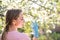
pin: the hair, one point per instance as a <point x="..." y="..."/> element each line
<point x="10" y="15"/>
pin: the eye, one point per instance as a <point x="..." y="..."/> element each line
<point x="22" y="18"/>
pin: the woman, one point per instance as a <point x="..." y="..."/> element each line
<point x="14" y="20"/>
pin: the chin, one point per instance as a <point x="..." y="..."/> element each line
<point x="20" y="26"/>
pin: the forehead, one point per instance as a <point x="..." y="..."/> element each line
<point x="21" y="14"/>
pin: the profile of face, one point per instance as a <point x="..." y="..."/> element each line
<point x="19" y="22"/>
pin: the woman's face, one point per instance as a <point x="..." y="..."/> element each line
<point x="20" y="21"/>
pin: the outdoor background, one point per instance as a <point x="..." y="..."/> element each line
<point x="46" y="13"/>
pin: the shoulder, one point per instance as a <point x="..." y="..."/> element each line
<point x="17" y="36"/>
<point x="24" y="36"/>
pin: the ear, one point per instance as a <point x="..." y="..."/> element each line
<point x="14" y="22"/>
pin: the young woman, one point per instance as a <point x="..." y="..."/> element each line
<point x="14" y="20"/>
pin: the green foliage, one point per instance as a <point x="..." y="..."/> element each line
<point x="55" y="36"/>
<point x="46" y="12"/>
<point x="42" y="37"/>
<point x="27" y="27"/>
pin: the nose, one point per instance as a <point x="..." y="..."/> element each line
<point x="23" y="20"/>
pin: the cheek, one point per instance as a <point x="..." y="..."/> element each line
<point x="20" y="23"/>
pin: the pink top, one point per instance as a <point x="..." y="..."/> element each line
<point x="14" y="35"/>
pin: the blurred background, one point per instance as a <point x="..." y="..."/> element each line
<point x="46" y="13"/>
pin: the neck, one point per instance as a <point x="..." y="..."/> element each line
<point x="12" y="28"/>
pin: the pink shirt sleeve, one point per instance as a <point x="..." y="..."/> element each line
<point x="17" y="36"/>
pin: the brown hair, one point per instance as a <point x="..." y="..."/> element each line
<point x="10" y="15"/>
